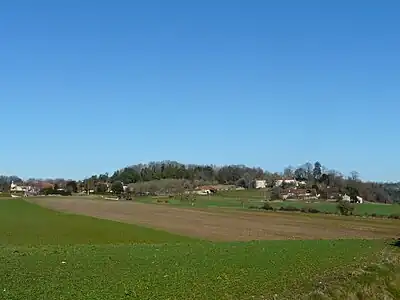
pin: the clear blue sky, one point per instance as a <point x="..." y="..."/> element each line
<point x="92" y="86"/>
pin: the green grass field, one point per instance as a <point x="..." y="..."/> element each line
<point x="254" y="198"/>
<point x="360" y="209"/>
<point x="51" y="255"/>
<point x="23" y="223"/>
<point x="176" y="271"/>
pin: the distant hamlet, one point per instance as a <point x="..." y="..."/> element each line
<point x="309" y="181"/>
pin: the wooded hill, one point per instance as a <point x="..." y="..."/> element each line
<point x="317" y="177"/>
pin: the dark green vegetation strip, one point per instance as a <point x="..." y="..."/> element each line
<point x="254" y="270"/>
<point x="23" y="223"/>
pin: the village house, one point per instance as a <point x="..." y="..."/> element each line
<point x="347" y="198"/>
<point x="289" y="181"/>
<point x="260" y="184"/>
<point x="17" y="188"/>
<point x="304" y="194"/>
<point x="22" y="189"/>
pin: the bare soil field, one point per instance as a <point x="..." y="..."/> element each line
<point x="227" y="225"/>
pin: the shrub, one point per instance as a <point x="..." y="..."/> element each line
<point x="394" y="216"/>
<point x="310" y="210"/>
<point x="267" y="206"/>
<point x="289" y="208"/>
<point x="345" y="208"/>
<point x="65" y="193"/>
<point x="51" y="191"/>
<point x="254" y="207"/>
<point x="162" y="201"/>
<point x="313" y="210"/>
<point x="126" y="196"/>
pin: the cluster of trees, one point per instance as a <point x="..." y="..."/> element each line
<point x="239" y="175"/>
<point x="162" y="186"/>
<point x="231" y="174"/>
<point x="393" y="190"/>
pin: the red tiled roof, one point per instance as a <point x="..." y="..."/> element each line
<point x="44" y="185"/>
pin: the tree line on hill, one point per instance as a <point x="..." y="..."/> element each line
<point x="172" y="176"/>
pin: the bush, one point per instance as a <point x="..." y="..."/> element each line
<point x="267" y="206"/>
<point x="345" y="208"/>
<point x="254" y="207"/>
<point x="166" y="201"/>
<point x="126" y="196"/>
<point x="310" y="210"/>
<point x="51" y="191"/>
<point x="289" y="208"/>
<point x="64" y="193"/>
<point x="394" y="216"/>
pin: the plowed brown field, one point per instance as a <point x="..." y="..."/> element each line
<point x="226" y="224"/>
